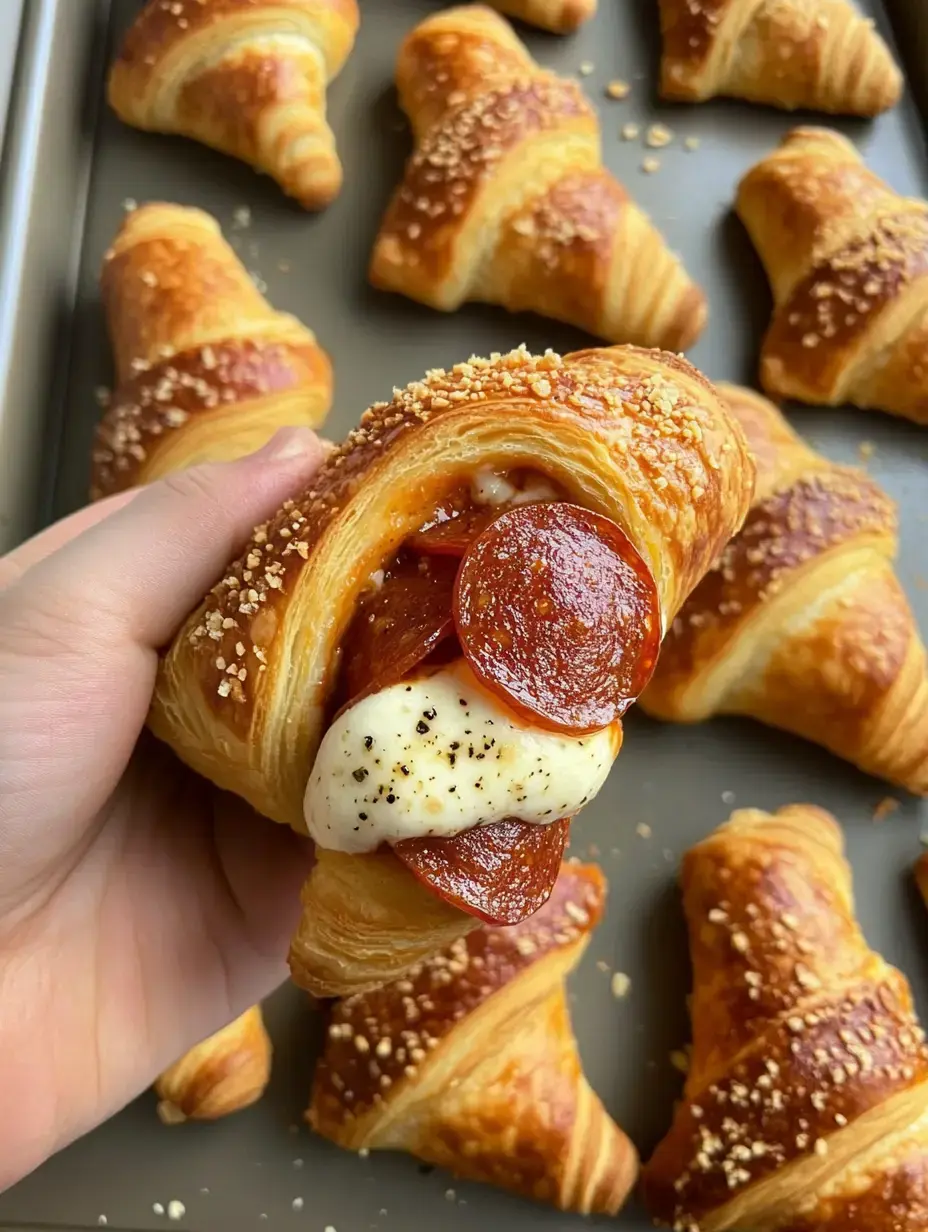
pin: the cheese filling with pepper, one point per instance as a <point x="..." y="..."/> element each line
<point x="438" y="754"/>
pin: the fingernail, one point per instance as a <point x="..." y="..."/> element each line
<point x="288" y="444"/>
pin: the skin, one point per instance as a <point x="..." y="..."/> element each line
<point x="140" y="908"/>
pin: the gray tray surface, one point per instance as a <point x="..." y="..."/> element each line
<point x="671" y="785"/>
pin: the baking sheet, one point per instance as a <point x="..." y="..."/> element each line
<point x="671" y="784"/>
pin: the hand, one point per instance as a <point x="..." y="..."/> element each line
<point x="140" y="908"/>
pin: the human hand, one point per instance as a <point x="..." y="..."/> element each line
<point x="140" y="908"/>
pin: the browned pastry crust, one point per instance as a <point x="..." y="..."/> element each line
<point x="225" y="1073"/>
<point x="638" y="436"/>
<point x="806" y="1103"/>
<point x="559" y="16"/>
<point x="206" y="370"/>
<point x="247" y="77"/>
<point x="818" y="54"/>
<point x="803" y="623"/>
<point x="847" y="259"/>
<point x="470" y="1063"/>
<point x="506" y="201"/>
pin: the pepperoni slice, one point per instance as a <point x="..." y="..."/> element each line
<point x="501" y="873"/>
<point x="557" y="613"/>
<point x="452" y="536"/>
<point x="398" y="625"/>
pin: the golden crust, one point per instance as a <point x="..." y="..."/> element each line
<point x="790" y="53"/>
<point x="505" y="199"/>
<point x="558" y="16"/>
<point x="407" y="1067"/>
<point x="809" y="1070"/>
<point x="802" y="622"/>
<point x="206" y="369"/>
<point x="847" y="259"/>
<point x="225" y="1073"/>
<point x="245" y="76"/>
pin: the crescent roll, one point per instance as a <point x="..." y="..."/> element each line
<point x="505" y="199"/>
<point x="822" y="55"/>
<point x="206" y="369"/>
<point x="225" y="1073"/>
<point x="847" y="260"/>
<point x="558" y="16"/>
<point x="590" y="494"/>
<point x="806" y="1102"/>
<point x="247" y="77"/>
<point x="803" y="623"/>
<point x="470" y="1063"/>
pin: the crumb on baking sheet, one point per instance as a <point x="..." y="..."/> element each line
<point x="297" y="1204"/>
<point x="643" y="830"/>
<point x="130" y="204"/>
<point x="866" y="449"/>
<point x="651" y="165"/>
<point x="284" y="267"/>
<point x="586" y="68"/>
<point x="728" y="797"/>
<point x="621" y="985"/>
<point x="886" y="807"/>
<point x="618" y="89"/>
<point x="680" y="1060"/>
<point x="690" y="144"/>
<point x="176" y="1210"/>
<point x="602" y="966"/>
<point x="630" y="132"/>
<point x="241" y="217"/>
<point x="658" y="136"/>
<point x="157" y="1208"/>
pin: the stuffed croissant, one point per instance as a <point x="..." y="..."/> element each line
<point x="423" y="662"/>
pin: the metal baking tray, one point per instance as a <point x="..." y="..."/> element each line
<point x="70" y="168"/>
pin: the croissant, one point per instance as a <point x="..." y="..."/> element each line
<point x="206" y="370"/>
<point x="803" y="623"/>
<point x="470" y="1063"/>
<point x="225" y="1073"/>
<point x="470" y="595"/>
<point x="847" y="260"/>
<point x="806" y="1102"/>
<point x="818" y="54"/>
<point x="559" y="16"/>
<point x="247" y="77"/>
<point x="505" y="199"/>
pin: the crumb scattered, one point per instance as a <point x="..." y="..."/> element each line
<point x="691" y="144"/>
<point x="614" y="852"/>
<point x="157" y="1208"/>
<point x="658" y="136"/>
<point x="330" y="1228"/>
<point x="298" y="1163"/>
<point x="364" y="1151"/>
<point x="643" y="830"/>
<point x="450" y="1195"/>
<point x="176" y="1210"/>
<point x="621" y="985"/>
<point x="204" y="1189"/>
<point x="241" y="217"/>
<point x="651" y="165"/>
<point x="602" y="966"/>
<point x="886" y="807"/>
<point x="102" y="1221"/>
<point x="728" y="797"/>
<point x="618" y="89"/>
<point x="630" y="132"/>
<point x="284" y="267"/>
<point x="130" y="204"/>
<point x="866" y="450"/>
<point x="586" y="68"/>
<point x="680" y="1061"/>
<point x="297" y="1204"/>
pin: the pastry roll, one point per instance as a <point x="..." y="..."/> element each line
<point x="506" y="201"/>
<point x="206" y="369"/>
<point x="822" y="55"/>
<point x="423" y="660"/>
<point x="847" y="260"/>
<point x="559" y="16"/>
<point x="470" y="1063"/>
<point x="247" y="77"/>
<point x="806" y="1103"/>
<point x="225" y="1073"/>
<point x="803" y="623"/>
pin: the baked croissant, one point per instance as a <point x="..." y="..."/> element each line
<point x="470" y="595"/>
<point x="806" y="1102"/>
<point x="559" y="16"/>
<point x="225" y="1073"/>
<point x="470" y="1063"/>
<point x="206" y="370"/>
<point x="247" y="77"/>
<point x="803" y="623"/>
<point x="505" y="199"/>
<point x="847" y="260"/>
<point x="818" y="54"/>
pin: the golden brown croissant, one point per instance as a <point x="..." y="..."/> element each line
<point x="847" y="260"/>
<point x="470" y="1063"/>
<point x="806" y="1102"/>
<point x="505" y="199"/>
<point x="206" y="370"/>
<point x="803" y="623"/>
<point x="226" y="1072"/>
<point x="633" y="440"/>
<point x="247" y="77"/>
<point x="559" y="16"/>
<point x="818" y="54"/>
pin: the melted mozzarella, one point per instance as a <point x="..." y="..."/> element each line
<point x="439" y="754"/>
<point x="489" y="488"/>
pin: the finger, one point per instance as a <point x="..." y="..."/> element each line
<point x="15" y="563"/>
<point x="138" y="573"/>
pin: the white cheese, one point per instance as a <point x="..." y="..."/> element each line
<point x="489" y="488"/>
<point x="439" y="754"/>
